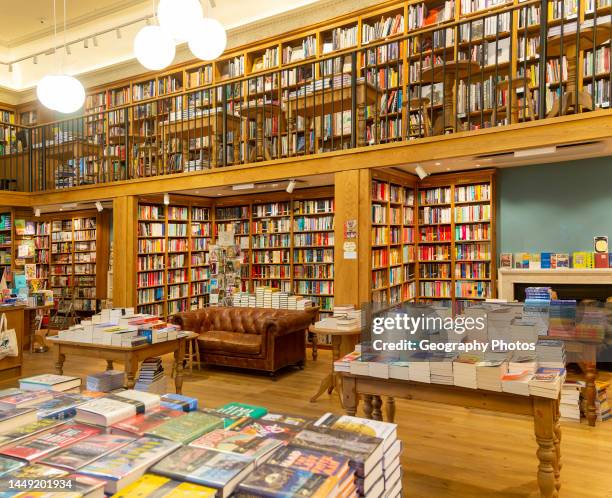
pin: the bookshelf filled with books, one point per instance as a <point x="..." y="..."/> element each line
<point x="237" y="219"/>
<point x="6" y="245"/>
<point x="393" y="262"/>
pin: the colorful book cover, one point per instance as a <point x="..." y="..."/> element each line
<point x="278" y="481"/>
<point x="186" y="428"/>
<point x="563" y="260"/>
<point x="317" y="462"/>
<point x="179" y="402"/>
<point x="86" y="451"/>
<point x="285" y="418"/>
<point x="242" y="443"/>
<point x="28" y="430"/>
<point x="19" y="412"/>
<point x="25" y="399"/>
<point x="52" y="440"/>
<point x="61" y="407"/>
<point x="151" y="485"/>
<point x="141" y="453"/>
<point x="35" y="471"/>
<point x="228" y="420"/>
<point x="545" y="260"/>
<point x="579" y="259"/>
<point x="20" y="227"/>
<point x="243" y="410"/>
<point x="47" y="381"/>
<point x="506" y="260"/>
<point x="9" y="465"/>
<point x="205" y="467"/>
<point x="263" y="428"/>
<point x="373" y="428"/>
<point x="141" y="423"/>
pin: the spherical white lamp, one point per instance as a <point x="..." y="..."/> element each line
<point x="154" y="48"/>
<point x="208" y="40"/>
<point x="179" y="17"/>
<point x="61" y="92"/>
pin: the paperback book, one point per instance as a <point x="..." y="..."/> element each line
<point x="154" y="486"/>
<point x="49" y="382"/>
<point x="139" y="424"/>
<point x="186" y="428"/>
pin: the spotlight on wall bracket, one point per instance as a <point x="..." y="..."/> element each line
<point x="99" y="206"/>
<point x="37" y="212"/>
<point x="421" y="172"/>
<point x="291" y="186"/>
<point x="166" y="199"/>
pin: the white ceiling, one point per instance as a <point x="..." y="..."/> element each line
<point x="29" y="29"/>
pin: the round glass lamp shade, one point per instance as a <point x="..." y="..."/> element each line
<point x="61" y="93"/>
<point x="154" y="48"/>
<point x="178" y="18"/>
<point x="209" y="39"/>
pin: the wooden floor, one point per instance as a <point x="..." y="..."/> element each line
<point x="448" y="451"/>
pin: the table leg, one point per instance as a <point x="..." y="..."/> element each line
<point x="557" y="431"/>
<point x="376" y="408"/>
<point x="131" y="366"/>
<point x="390" y="409"/>
<point x="367" y="405"/>
<point x="543" y="417"/>
<point x="349" y="395"/>
<point x="590" y="372"/>
<point x="314" y="341"/>
<point x="59" y="362"/>
<point x="109" y="365"/>
<point x="179" y="355"/>
<point x="326" y="384"/>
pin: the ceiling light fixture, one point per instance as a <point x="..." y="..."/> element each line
<point x="166" y="199"/>
<point x="243" y="186"/>
<point x="60" y="92"/>
<point x="208" y="40"/>
<point x="154" y="48"/>
<point x="118" y="34"/>
<point x="10" y="68"/>
<point x="537" y="151"/>
<point x="99" y="206"/>
<point x="95" y="41"/>
<point x="421" y="172"/>
<point x="86" y="43"/>
<point x="291" y="186"/>
<point x="35" y="59"/>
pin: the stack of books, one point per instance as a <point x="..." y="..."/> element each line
<point x="547" y="382"/>
<point x="419" y="367"/>
<point x="105" y="381"/>
<point x="535" y="309"/>
<point x="441" y="368"/>
<point x="464" y="370"/>
<point x="280" y="300"/>
<point x="344" y="363"/>
<point x="602" y="402"/>
<point x="268" y="297"/>
<point x="347" y="317"/>
<point x="570" y="400"/>
<point x="520" y="370"/>
<point x="489" y="374"/>
<point x="551" y="353"/>
<point x="591" y="323"/>
<point x="562" y="318"/>
<point x="151" y="377"/>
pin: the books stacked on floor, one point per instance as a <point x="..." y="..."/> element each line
<point x="521" y="368"/>
<point x="550" y="353"/>
<point x="151" y="377"/>
<point x="137" y="446"/>
<point x="107" y="381"/>
<point x="547" y="382"/>
<point x="569" y="406"/>
<point x="602" y="401"/>
<point x="562" y="318"/>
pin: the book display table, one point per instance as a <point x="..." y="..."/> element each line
<point x="343" y="342"/>
<point x="545" y="413"/>
<point x="129" y="356"/>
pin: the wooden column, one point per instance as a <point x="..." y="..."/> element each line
<point x="351" y="194"/>
<point x="125" y="240"/>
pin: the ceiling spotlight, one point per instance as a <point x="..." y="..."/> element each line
<point x="421" y="172"/>
<point x="35" y="59"/>
<point x="68" y="50"/>
<point x="291" y="186"/>
<point x="86" y="43"/>
<point x="166" y="199"/>
<point x="95" y="41"/>
<point x="99" y="206"/>
<point x="10" y="68"/>
<point x="118" y="33"/>
<point x="37" y="212"/>
<point x="438" y="164"/>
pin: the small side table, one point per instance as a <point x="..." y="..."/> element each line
<point x="343" y="343"/>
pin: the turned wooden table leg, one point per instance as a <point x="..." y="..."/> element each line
<point x="376" y="408"/>
<point x="390" y="409"/>
<point x="349" y="395"/>
<point x="367" y="405"/>
<point x="179" y="355"/>
<point x="557" y="432"/>
<point x="131" y="366"/>
<point x="590" y="371"/>
<point x="109" y="365"/>
<point x="314" y="340"/>
<point x="544" y="425"/>
<point x="59" y="362"/>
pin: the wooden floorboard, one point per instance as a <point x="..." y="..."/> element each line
<point x="448" y="451"/>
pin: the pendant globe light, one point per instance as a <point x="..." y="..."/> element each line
<point x="208" y="40"/>
<point x="154" y="48"/>
<point x="179" y="18"/>
<point x="60" y="92"/>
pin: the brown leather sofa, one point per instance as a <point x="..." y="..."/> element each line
<point x="253" y="338"/>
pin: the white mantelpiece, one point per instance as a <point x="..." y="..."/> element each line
<point x="507" y="277"/>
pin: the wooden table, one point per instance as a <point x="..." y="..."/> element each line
<point x="130" y="357"/>
<point x="584" y="352"/>
<point x="447" y="74"/>
<point x="545" y="413"/>
<point x="343" y="343"/>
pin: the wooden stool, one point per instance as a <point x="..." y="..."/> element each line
<point x="192" y="352"/>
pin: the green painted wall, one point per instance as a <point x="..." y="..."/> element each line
<point x="556" y="207"/>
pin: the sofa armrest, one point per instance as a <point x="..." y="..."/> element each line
<point x="187" y="321"/>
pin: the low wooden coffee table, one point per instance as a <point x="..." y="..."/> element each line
<point x="131" y="357"/>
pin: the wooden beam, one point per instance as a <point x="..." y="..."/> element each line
<point x="15" y="199"/>
<point x="125" y="231"/>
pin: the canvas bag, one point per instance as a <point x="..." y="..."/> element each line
<point x="8" y="339"/>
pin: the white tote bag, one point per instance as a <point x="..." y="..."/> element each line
<point x="8" y="339"/>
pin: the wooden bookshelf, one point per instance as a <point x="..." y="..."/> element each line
<point x="6" y="243"/>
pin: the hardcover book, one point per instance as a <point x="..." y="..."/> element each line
<point x="228" y="420"/>
<point x="241" y="443"/>
<point x="29" y="430"/>
<point x="179" y="402"/>
<point x="243" y="410"/>
<point x="86" y="451"/>
<point x="35" y="471"/>
<point x="11" y="419"/>
<point x="329" y="464"/>
<point x="284" y="418"/>
<point x="61" y="407"/>
<point x="53" y="440"/>
<point x="25" y="399"/>
<point x="127" y="464"/>
<point x="9" y="465"/>
<point x="277" y="481"/>
<point x="104" y="411"/>
<point x="84" y="486"/>
<point x="186" y="428"/>
<point x="374" y="428"/>
<point x="153" y="486"/>
<point x="149" y="400"/>
<point x="261" y="428"/>
<point x="49" y="382"/>
<point x="222" y="471"/>
<point x="141" y="423"/>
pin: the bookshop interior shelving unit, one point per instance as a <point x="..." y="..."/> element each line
<point x="286" y="240"/>
<point x="6" y="243"/>
<point x="432" y="240"/>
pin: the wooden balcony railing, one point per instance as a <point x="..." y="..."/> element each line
<point x="511" y="64"/>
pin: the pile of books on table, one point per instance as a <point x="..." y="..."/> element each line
<point x="132" y="443"/>
<point x="121" y="327"/>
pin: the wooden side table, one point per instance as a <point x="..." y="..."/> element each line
<point x="343" y="343"/>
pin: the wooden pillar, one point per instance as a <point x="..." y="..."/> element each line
<point x="351" y="282"/>
<point x="125" y="247"/>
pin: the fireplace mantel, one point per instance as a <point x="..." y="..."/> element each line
<point x="507" y="277"/>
